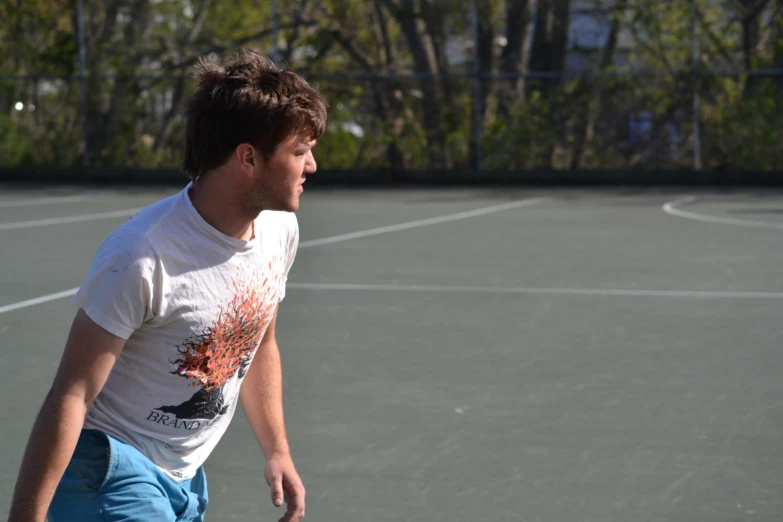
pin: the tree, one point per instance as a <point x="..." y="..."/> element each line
<point x="589" y="113"/>
<point x="399" y="75"/>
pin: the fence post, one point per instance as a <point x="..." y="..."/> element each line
<point x="696" y="98"/>
<point x="477" y="116"/>
<point x="83" y="80"/>
<point x="275" y="47"/>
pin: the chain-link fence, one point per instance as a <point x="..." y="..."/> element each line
<point x="399" y="123"/>
<point x="624" y="84"/>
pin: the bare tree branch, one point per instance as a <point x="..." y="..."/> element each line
<point x="714" y="38"/>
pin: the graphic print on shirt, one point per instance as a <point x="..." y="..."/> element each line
<point x="226" y="348"/>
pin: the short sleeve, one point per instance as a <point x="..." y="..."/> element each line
<point x="291" y="248"/>
<point x="118" y="291"/>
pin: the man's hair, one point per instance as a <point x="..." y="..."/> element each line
<point x="247" y="99"/>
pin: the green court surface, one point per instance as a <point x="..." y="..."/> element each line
<point x="467" y="354"/>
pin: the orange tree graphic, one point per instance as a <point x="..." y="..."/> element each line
<point x="226" y="347"/>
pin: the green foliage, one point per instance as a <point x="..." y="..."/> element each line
<point x="746" y="130"/>
<point x="138" y="50"/>
<point x="520" y="138"/>
<point x="16" y="142"/>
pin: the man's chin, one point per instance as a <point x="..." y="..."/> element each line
<point x="291" y="205"/>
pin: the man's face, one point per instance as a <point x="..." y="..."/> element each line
<point x="279" y="179"/>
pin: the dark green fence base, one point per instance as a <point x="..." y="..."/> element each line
<point x="387" y="178"/>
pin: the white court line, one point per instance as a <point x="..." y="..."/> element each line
<point x="421" y="223"/>
<point x="601" y="292"/>
<point x="616" y="292"/>
<point x="305" y="244"/>
<point x="42" y="201"/>
<point x="68" y="219"/>
<point x="670" y="208"/>
<point x="38" y="300"/>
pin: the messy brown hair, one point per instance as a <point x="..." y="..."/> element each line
<point x="247" y="99"/>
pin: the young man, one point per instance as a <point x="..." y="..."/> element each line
<point x="176" y="318"/>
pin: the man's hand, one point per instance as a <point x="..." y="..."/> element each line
<point x="262" y="399"/>
<point x="286" y="487"/>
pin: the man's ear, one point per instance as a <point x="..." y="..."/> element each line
<point x="246" y="158"/>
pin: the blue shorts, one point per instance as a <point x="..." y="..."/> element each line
<point x="107" y="480"/>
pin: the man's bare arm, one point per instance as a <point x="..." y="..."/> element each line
<point x="262" y="399"/>
<point x="262" y="396"/>
<point x="89" y="355"/>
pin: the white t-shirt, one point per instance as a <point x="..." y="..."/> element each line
<point x="193" y="304"/>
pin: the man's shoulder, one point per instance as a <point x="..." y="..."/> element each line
<point x="132" y="239"/>
<point x="153" y="216"/>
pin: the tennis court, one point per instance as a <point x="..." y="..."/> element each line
<point x="467" y="354"/>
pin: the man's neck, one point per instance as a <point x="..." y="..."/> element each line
<point x="220" y="205"/>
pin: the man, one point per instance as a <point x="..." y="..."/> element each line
<point x="176" y="318"/>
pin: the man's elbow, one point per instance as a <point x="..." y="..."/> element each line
<point x="67" y="398"/>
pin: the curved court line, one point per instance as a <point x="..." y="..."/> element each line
<point x="54" y="200"/>
<point x="302" y="244"/>
<point x="68" y="219"/>
<point x="616" y="292"/>
<point x="670" y="208"/>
